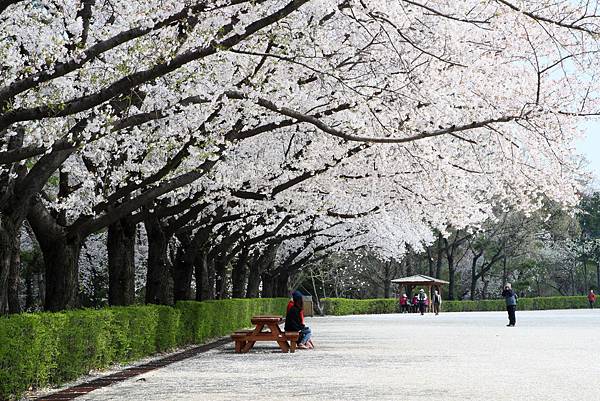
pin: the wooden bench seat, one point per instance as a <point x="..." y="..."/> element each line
<point x="245" y="339"/>
<point x="292" y="337"/>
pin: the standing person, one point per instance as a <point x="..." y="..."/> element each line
<point x="294" y="321"/>
<point x="511" y="304"/>
<point x="403" y="303"/>
<point x="591" y="298"/>
<point x="422" y="301"/>
<point x="437" y="302"/>
<point x="415" y="303"/>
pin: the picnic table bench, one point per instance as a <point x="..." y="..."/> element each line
<point x="266" y="329"/>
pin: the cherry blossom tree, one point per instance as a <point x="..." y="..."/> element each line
<point x="413" y="115"/>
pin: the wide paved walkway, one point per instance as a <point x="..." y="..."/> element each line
<point x="550" y="355"/>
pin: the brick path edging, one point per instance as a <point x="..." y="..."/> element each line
<point x="84" y="388"/>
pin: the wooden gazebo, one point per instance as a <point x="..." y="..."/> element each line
<point x="420" y="280"/>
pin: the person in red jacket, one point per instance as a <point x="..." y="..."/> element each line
<point x="591" y="298"/>
<point x="294" y="321"/>
<point x="403" y="303"/>
<point x="295" y="294"/>
<point x="415" y="304"/>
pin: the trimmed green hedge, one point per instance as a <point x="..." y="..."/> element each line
<point x="38" y="349"/>
<point x="342" y="306"/>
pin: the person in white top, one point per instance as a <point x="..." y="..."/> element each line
<point x="422" y="300"/>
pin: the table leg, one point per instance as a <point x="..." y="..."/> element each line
<point x="284" y="346"/>
<point x="239" y="345"/>
<point x="248" y="346"/>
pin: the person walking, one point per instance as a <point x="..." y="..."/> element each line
<point x="422" y="301"/>
<point x="591" y="298"/>
<point x="403" y="303"/>
<point x="437" y="302"/>
<point x="511" y="304"/>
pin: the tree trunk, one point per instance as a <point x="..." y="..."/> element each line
<point x="484" y="289"/>
<point x="159" y="281"/>
<point x="183" y="268"/>
<point x="204" y="288"/>
<point x="451" y="274"/>
<point x="211" y="278"/>
<point x="220" y="277"/>
<point x="268" y="285"/>
<point x="8" y="246"/>
<point x="429" y="262"/>
<point x="387" y="287"/>
<point x="14" y="278"/>
<point x="61" y="259"/>
<point x="252" y="289"/>
<point x="474" y="276"/>
<point x="440" y="250"/>
<point x="29" y="285"/>
<point x="238" y="275"/>
<point x="121" y="263"/>
<point x="282" y="288"/>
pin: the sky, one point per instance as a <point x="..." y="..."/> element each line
<point x="590" y="148"/>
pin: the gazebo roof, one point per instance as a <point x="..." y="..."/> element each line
<point x="419" y="279"/>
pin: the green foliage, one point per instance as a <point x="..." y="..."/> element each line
<point x="38" y="349"/>
<point x="342" y="306"/>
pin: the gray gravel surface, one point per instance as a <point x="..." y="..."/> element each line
<point x="550" y="355"/>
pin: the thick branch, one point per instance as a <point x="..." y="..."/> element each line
<point x="340" y="134"/>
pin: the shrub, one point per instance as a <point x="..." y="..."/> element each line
<point x="38" y="349"/>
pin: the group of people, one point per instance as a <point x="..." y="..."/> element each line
<point x="294" y="321"/>
<point x="419" y="302"/>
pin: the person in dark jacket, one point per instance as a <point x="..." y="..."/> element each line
<point x="511" y="304"/>
<point x="294" y="321"/>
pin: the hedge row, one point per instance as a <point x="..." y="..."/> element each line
<point x="38" y="349"/>
<point x="342" y="306"/>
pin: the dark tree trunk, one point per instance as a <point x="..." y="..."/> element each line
<point x="268" y="284"/>
<point x="430" y="263"/>
<point x="440" y="251"/>
<point x="183" y="268"/>
<point x="204" y="284"/>
<point x="159" y="280"/>
<point x="212" y="278"/>
<point x="252" y="289"/>
<point x="238" y="275"/>
<point x="121" y="262"/>
<point x="220" y="277"/>
<point x="387" y="288"/>
<point x="484" y="289"/>
<point x="29" y="289"/>
<point x="474" y="275"/>
<point x="451" y="274"/>
<point x="61" y="258"/>
<point x="8" y="246"/>
<point x="14" y="278"/>
<point x="282" y="288"/>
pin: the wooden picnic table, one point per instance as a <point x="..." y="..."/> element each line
<point x="266" y="329"/>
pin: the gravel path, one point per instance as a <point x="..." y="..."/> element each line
<point x="550" y="355"/>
